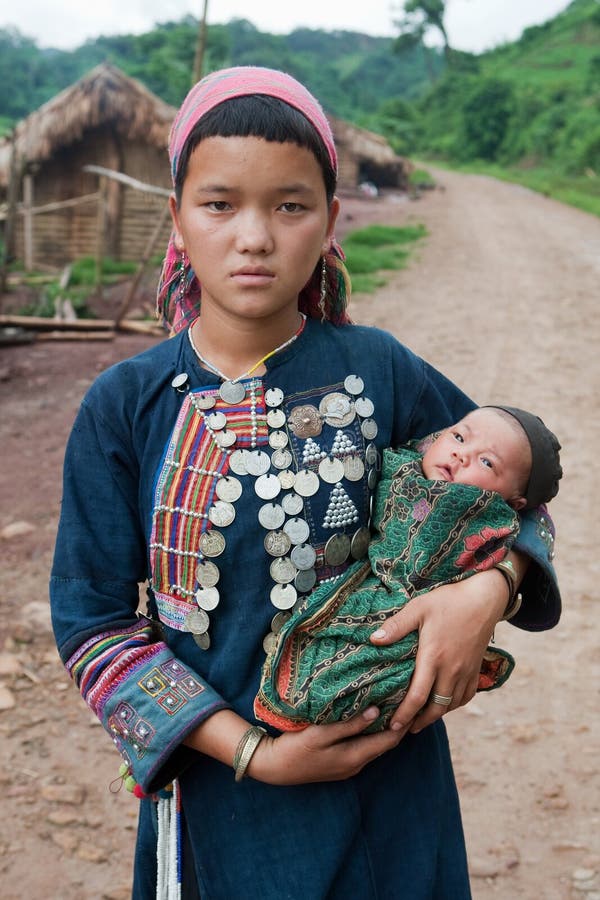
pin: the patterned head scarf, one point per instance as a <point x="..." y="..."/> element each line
<point x="179" y="291"/>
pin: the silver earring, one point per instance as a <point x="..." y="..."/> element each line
<point x="181" y="290"/>
<point x="323" y="291"/>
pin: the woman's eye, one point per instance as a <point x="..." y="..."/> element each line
<point x="218" y="205"/>
<point x="291" y="207"/>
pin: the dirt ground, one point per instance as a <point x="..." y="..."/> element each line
<point x="502" y="296"/>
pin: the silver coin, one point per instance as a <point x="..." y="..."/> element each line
<point x="354" y="468"/>
<point x="297" y="530"/>
<point x="204" y="401"/>
<point x="274" y="397"/>
<point x="354" y="385"/>
<point x="282" y="459"/>
<point x="203" y="640"/>
<point x="359" y="543"/>
<point x="277" y="543"/>
<point x="278" y="440"/>
<point x="232" y="392"/>
<point x="292" y="504"/>
<point x="371" y="454"/>
<point x="267" y="486"/>
<point x="216" y="421"/>
<point x="283" y="596"/>
<point x="283" y="570"/>
<point x="337" y="409"/>
<point x="279" y="620"/>
<point x="180" y="382"/>
<point x="257" y="462"/>
<point x="197" y="621"/>
<point x="275" y="418"/>
<point x="372" y="479"/>
<point x="303" y="556"/>
<point x="207" y="573"/>
<point x="212" y="543"/>
<point x="221" y="513"/>
<point x="228" y="488"/>
<point x="369" y="429"/>
<point x="237" y="462"/>
<point x="364" y="407"/>
<point x="225" y="438"/>
<point x="307" y="483"/>
<point x="337" y="549"/>
<point x="305" y="581"/>
<point x="269" y="642"/>
<point x="331" y="469"/>
<point x="287" y="479"/>
<point x="271" y="516"/>
<point x="207" y="598"/>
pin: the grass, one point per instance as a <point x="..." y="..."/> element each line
<point x="373" y="252"/>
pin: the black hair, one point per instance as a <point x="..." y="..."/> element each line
<point x="262" y="116"/>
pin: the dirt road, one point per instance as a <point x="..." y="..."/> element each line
<point x="503" y="297"/>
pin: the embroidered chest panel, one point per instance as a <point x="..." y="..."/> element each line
<point x="306" y="463"/>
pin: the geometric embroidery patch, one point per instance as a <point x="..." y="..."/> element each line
<point x="171" y="685"/>
<point x="135" y="731"/>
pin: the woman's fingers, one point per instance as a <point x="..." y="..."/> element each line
<point x="398" y="625"/>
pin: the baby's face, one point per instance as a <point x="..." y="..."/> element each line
<point x="484" y="450"/>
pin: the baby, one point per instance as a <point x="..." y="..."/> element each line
<point x="445" y="508"/>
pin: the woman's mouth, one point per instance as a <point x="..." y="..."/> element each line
<point x="253" y="276"/>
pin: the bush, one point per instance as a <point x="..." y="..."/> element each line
<point x="486" y="114"/>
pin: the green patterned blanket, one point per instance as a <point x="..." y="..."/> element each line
<point x="426" y="533"/>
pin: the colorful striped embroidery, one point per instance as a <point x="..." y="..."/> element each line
<point x="185" y="492"/>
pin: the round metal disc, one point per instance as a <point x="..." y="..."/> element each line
<point x="303" y="556"/>
<point x="228" y="488"/>
<point x="277" y="543"/>
<point x="180" y="382"/>
<point x="283" y="596"/>
<point x="279" y="620"/>
<point x="207" y="574"/>
<point x="216" y="421"/>
<point x="287" y="479"/>
<point x="225" y="438"/>
<point x="331" y="469"/>
<point x="305" y="421"/>
<point x="237" y="462"/>
<point x="337" y="409"/>
<point x="307" y="483"/>
<point x="212" y="543"/>
<point x="283" y="570"/>
<point x="369" y="429"/>
<point x="305" y="581"/>
<point x="207" y="598"/>
<point x="293" y="504"/>
<point x="221" y="513"/>
<point x="354" y="385"/>
<point x="271" y="516"/>
<point x="197" y="621"/>
<point x="372" y="479"/>
<point x="371" y="454"/>
<point x="282" y="459"/>
<point x="278" y="440"/>
<point x="359" y="543"/>
<point x="297" y="530"/>
<point x="274" y="397"/>
<point x="267" y="486"/>
<point x="275" y="418"/>
<point x="204" y="401"/>
<point x="232" y="392"/>
<point x="337" y="549"/>
<point x="257" y="462"/>
<point x="269" y="642"/>
<point x="364" y="407"/>
<point x="203" y="640"/>
<point x="354" y="468"/>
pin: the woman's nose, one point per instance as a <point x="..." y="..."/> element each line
<point x="253" y="233"/>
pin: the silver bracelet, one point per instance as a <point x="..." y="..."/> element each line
<point x="245" y="750"/>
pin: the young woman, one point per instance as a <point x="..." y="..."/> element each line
<point x="232" y="467"/>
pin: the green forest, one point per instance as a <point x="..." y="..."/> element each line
<point x="528" y="110"/>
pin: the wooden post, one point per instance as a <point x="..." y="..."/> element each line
<point x="101" y="230"/>
<point x="11" y="216"/>
<point x="125" y="306"/>
<point x="28" y="221"/>
<point x="200" y="46"/>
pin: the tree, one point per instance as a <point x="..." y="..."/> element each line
<point x="419" y="16"/>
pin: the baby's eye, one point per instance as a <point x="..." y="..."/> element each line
<point x="487" y="462"/>
<point x="458" y="437"/>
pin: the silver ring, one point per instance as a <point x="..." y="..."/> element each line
<point x="441" y="700"/>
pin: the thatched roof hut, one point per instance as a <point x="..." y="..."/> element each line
<point x="110" y="120"/>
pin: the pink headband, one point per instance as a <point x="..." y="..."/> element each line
<point x="179" y="292"/>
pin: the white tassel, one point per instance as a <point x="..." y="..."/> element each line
<point x="168" y="882"/>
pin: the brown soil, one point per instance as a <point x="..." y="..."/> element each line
<point x="502" y="296"/>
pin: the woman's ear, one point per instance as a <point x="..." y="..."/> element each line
<point x="177" y="235"/>
<point x="334" y="210"/>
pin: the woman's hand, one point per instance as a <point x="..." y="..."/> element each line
<point x="321" y="752"/>
<point x="455" y="624"/>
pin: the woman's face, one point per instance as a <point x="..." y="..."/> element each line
<point x="253" y="221"/>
